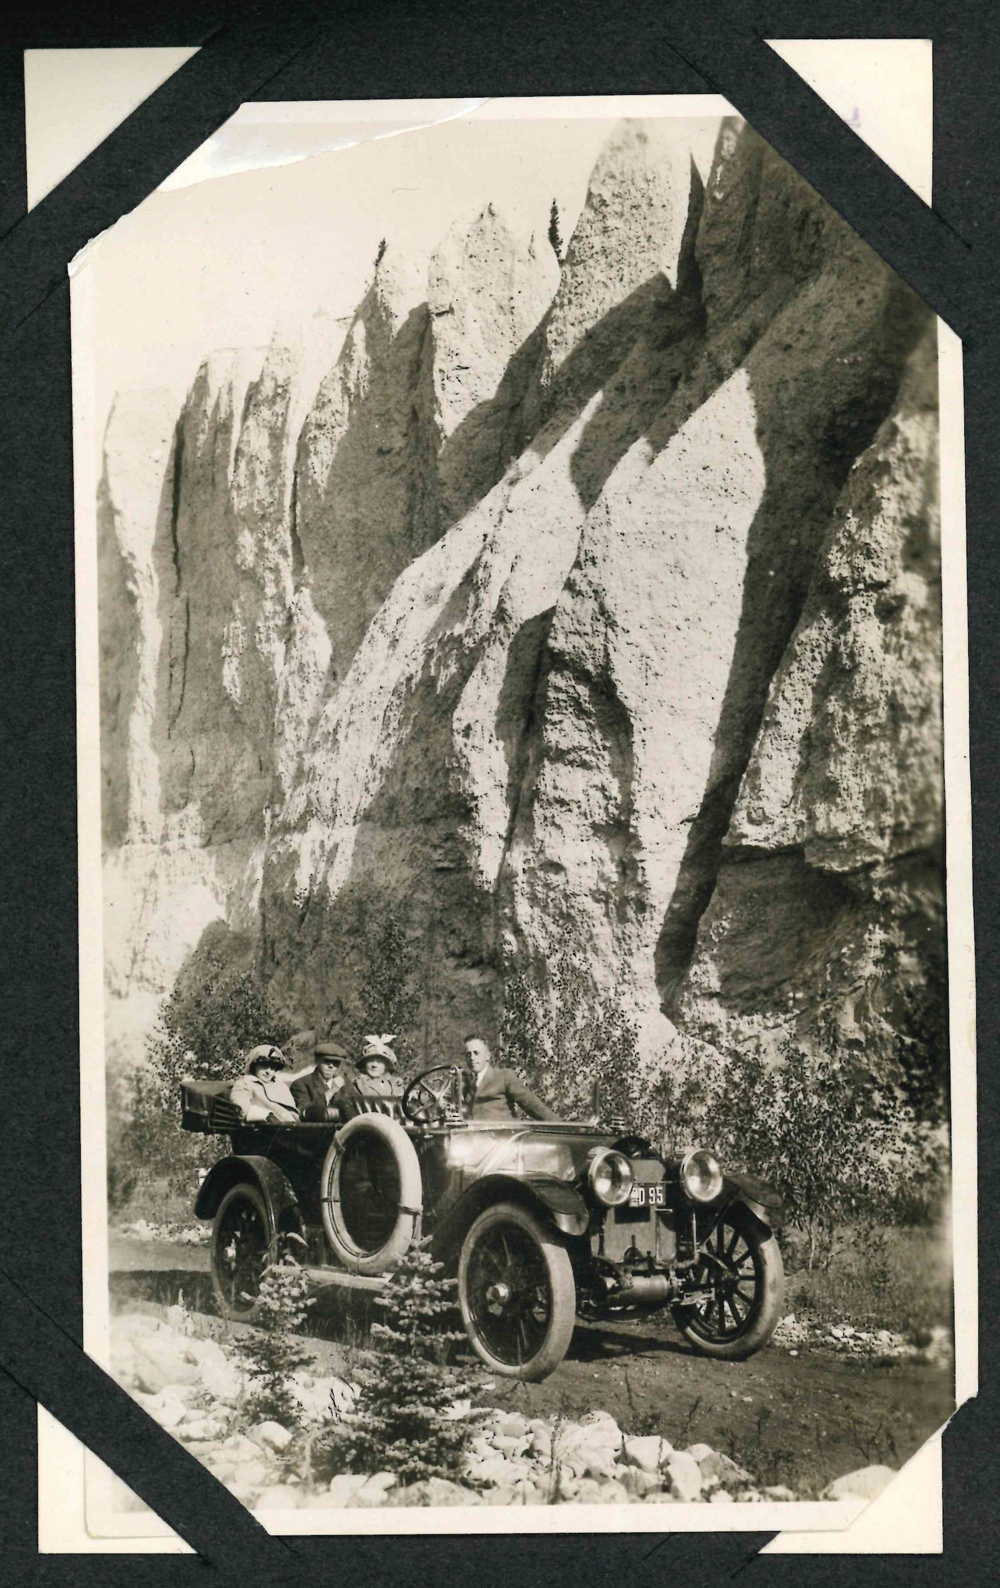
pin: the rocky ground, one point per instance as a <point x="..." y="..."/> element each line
<point x="630" y="1415"/>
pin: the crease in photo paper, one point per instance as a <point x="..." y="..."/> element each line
<point x="563" y="790"/>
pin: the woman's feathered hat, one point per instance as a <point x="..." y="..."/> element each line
<point x="378" y="1048"/>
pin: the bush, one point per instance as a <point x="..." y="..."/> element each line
<point x="837" y="1144"/>
<point x="578" y="1035"/>
<point x="401" y="1421"/>
<point x="361" y="949"/>
<point x="215" y="1014"/>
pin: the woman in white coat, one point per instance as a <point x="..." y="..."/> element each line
<point x="263" y="1093"/>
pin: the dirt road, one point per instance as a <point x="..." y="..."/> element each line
<point x="798" y="1420"/>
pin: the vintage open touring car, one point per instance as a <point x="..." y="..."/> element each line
<point x="540" y="1223"/>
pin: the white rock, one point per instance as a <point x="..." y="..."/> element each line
<point x="494" y="1468"/>
<point x="126" y="1325"/>
<point x="524" y="1491"/>
<point x="685" y="1476"/>
<point x="345" y="1486"/>
<point x="374" y="1490"/>
<point x="252" y="1474"/>
<point x="602" y="1419"/>
<point x="202" y="1428"/>
<point x="123" y="1366"/>
<point x="220" y="1375"/>
<point x="597" y="1491"/>
<point x="512" y="1425"/>
<point x="247" y="1488"/>
<point x="865" y="1484"/>
<point x="715" y="1467"/>
<point x="162" y="1359"/>
<point x="648" y="1451"/>
<point x="778" y="1491"/>
<point x="720" y="1497"/>
<point x="457" y="1410"/>
<point x="640" y="1482"/>
<point x="433" y="1491"/>
<point x="700" y="1452"/>
<point x="219" y="1467"/>
<point x="168" y="1407"/>
<point x="270" y="1435"/>
<point x="280" y="1497"/>
<point x="238" y="1448"/>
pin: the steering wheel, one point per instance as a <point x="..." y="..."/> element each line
<point x="423" y="1096"/>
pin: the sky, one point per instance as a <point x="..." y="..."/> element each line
<point x="229" y="260"/>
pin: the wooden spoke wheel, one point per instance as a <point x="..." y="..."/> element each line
<point x="742" y="1271"/>
<point x="241" y="1238"/>
<point x="517" y="1293"/>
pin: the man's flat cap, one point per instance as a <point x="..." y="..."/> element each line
<point x="330" y="1050"/>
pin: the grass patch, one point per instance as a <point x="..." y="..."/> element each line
<point x="878" y="1276"/>
<point x="158" y="1203"/>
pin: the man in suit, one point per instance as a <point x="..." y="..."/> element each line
<point x="498" y="1091"/>
<point x="316" y="1094"/>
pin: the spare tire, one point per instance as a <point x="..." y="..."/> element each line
<point x="371" y="1193"/>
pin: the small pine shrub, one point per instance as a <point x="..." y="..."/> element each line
<point x="276" y="1350"/>
<point x="401" y="1420"/>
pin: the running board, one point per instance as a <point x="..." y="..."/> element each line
<point x="341" y="1276"/>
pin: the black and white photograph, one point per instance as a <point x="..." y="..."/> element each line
<point x="520" y="1055"/>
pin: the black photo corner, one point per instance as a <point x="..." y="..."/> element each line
<point x="283" y="50"/>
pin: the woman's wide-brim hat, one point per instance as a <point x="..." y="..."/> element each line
<point x="378" y="1048"/>
<point x="265" y="1053"/>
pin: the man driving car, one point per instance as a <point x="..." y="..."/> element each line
<point x="498" y="1091"/>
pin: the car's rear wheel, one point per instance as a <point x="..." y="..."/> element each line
<point x="241" y="1237"/>
<point x="517" y="1293"/>
<point x="744" y="1276"/>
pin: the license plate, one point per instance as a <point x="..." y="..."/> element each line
<point x="646" y="1196"/>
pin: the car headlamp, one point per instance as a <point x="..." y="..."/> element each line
<point x="701" y="1175"/>
<point x="610" y="1177"/>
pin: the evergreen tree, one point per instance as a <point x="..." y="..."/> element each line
<point x="403" y="1420"/>
<point x="555" y="236"/>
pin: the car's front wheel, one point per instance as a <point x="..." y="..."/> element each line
<point x="742" y="1278"/>
<point x="517" y="1293"/>
<point x="241" y="1237"/>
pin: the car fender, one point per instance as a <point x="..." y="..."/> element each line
<point x="762" y="1200"/>
<point x="234" y="1170"/>
<point x="556" y="1203"/>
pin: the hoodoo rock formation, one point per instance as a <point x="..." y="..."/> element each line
<point x="584" y="617"/>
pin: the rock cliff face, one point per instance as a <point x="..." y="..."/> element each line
<point x="583" y="618"/>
